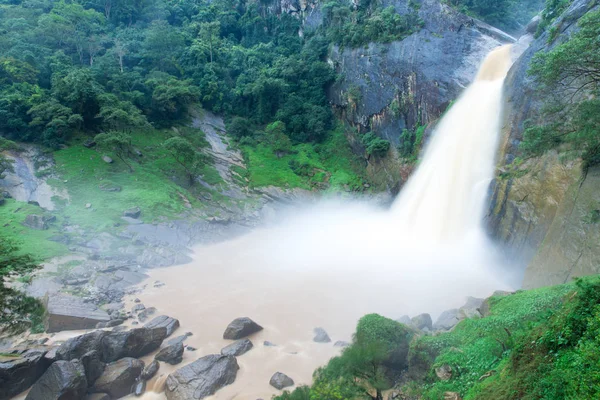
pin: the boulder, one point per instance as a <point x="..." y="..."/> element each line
<point x="240" y="328"/>
<point x="20" y="371"/>
<point x="266" y="343"/>
<point x="77" y="347"/>
<point x="280" y="381"/>
<point x="405" y="320"/>
<point x="321" y="336"/>
<point x="444" y="372"/>
<point x="64" y="312"/>
<point x="62" y="380"/>
<point x="422" y="321"/>
<point x="136" y="343"/>
<point x="447" y="320"/>
<point x="34" y="221"/>
<point x="119" y="377"/>
<point x="201" y="378"/>
<point x="140" y="388"/>
<point x="107" y="159"/>
<point x="178" y="339"/>
<point x="89" y="144"/>
<point x="341" y="343"/>
<point x="146" y="313"/>
<point x="110" y="324"/>
<point x="471" y="308"/>
<point x="163" y="321"/>
<point x="93" y="366"/>
<point x="237" y="348"/>
<point x="150" y="370"/>
<point x="172" y="354"/>
<point x="137" y="308"/>
<point x="134" y="213"/>
<point x="532" y="26"/>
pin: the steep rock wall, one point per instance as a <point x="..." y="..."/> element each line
<point x="543" y="211"/>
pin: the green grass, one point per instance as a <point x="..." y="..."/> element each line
<point x="32" y="241"/>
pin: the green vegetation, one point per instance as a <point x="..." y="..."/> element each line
<point x="536" y="344"/>
<point x="552" y="11"/>
<point x="570" y="74"/>
<point x="18" y="311"/>
<point x="411" y="143"/>
<point x="374" y="145"/>
<point x="509" y="15"/>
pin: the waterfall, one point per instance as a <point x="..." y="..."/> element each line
<point x="444" y="199"/>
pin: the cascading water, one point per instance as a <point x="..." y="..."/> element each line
<point x="445" y="197"/>
<point x="330" y="264"/>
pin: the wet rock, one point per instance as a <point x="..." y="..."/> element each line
<point x="178" y="339"/>
<point x="145" y="314"/>
<point x="422" y="321"/>
<point x="137" y="308"/>
<point x="280" y="381"/>
<point x="266" y="343"/>
<point x="110" y="324"/>
<point x="163" y="321"/>
<point x="321" y="336"/>
<point x="107" y="159"/>
<point x="134" y="343"/>
<point x="64" y="312"/>
<point x="62" y="380"/>
<point x="444" y="372"/>
<point x="240" y="328"/>
<point x="140" y="388"/>
<point x="172" y="354"/>
<point x="134" y="213"/>
<point x="190" y="348"/>
<point x="237" y="348"/>
<point x="447" y="320"/>
<point x="89" y="144"/>
<point x="34" y="221"/>
<point x="119" y="377"/>
<point x="93" y="366"/>
<point x="20" y="371"/>
<point x="150" y="370"/>
<point x="341" y="343"/>
<point x="201" y="378"/>
<point x="76" y="347"/>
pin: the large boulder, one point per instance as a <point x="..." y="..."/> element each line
<point x="134" y="343"/>
<point x="422" y="321"/>
<point x="150" y="370"/>
<point x="134" y="213"/>
<point x="201" y="378"/>
<point x="171" y="354"/>
<point x="93" y="366"/>
<point x="77" y="347"/>
<point x="119" y="378"/>
<point x="163" y="321"/>
<point x="64" y="380"/>
<point x="64" y="312"/>
<point x="321" y="336"/>
<point x="34" y="221"/>
<point x="280" y="381"/>
<point x="471" y="307"/>
<point x="240" y="328"/>
<point x="237" y="348"/>
<point x="20" y="371"/>
<point x="448" y="320"/>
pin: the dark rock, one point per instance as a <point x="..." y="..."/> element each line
<point x="119" y="377"/>
<point x="97" y="396"/>
<point x="137" y="301"/>
<point x="76" y="347"/>
<point x="137" y="308"/>
<point x="134" y="213"/>
<point x="178" y="339"/>
<point x="20" y="371"/>
<point x="280" y="381"/>
<point x="321" y="336"/>
<point x="190" y="348"/>
<point x="172" y="354"/>
<point x="62" y="380"/>
<point x="150" y="370"/>
<point x="533" y="24"/>
<point x="134" y="343"/>
<point x="163" y="321"/>
<point x="140" y="388"/>
<point x="240" y="328"/>
<point x="201" y="378"/>
<point x="266" y="343"/>
<point x="422" y="321"/>
<point x="34" y="203"/>
<point x="110" y="324"/>
<point x="64" y="312"/>
<point x="145" y="314"/>
<point x="93" y="366"/>
<point x="89" y="144"/>
<point x="341" y="343"/>
<point x="34" y="221"/>
<point x="237" y="348"/>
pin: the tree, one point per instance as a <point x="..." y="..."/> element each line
<point x="55" y="121"/>
<point x="119" y="114"/>
<point x="119" y="143"/>
<point x="5" y="163"/>
<point x="171" y="96"/>
<point x="209" y="33"/>
<point x="277" y="138"/>
<point x="18" y="310"/>
<point x="186" y="155"/>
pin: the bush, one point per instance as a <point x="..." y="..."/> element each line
<point x="374" y="145"/>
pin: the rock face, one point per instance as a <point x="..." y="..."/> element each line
<point x="540" y="212"/>
<point x="237" y="348"/>
<point x="93" y="366"/>
<point x="280" y="381"/>
<point x="78" y="346"/>
<point x="20" y="371"/>
<point x="201" y="378"/>
<point x="240" y="328"/>
<point x="119" y="377"/>
<point x="172" y="354"/>
<point x="387" y="88"/>
<point x="63" y="380"/>
<point x="321" y="336"/>
<point x="422" y="321"/>
<point x="162" y="321"/>
<point x="447" y="320"/>
<point x="134" y="343"/>
<point x="65" y="312"/>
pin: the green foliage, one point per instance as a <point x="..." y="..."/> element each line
<point x="552" y="10"/>
<point x="570" y="73"/>
<point x="505" y="14"/>
<point x="118" y="143"/>
<point x="186" y="155"/>
<point x="374" y="145"/>
<point x="18" y="311"/>
<point x="5" y="163"/>
<point x="411" y="143"/>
